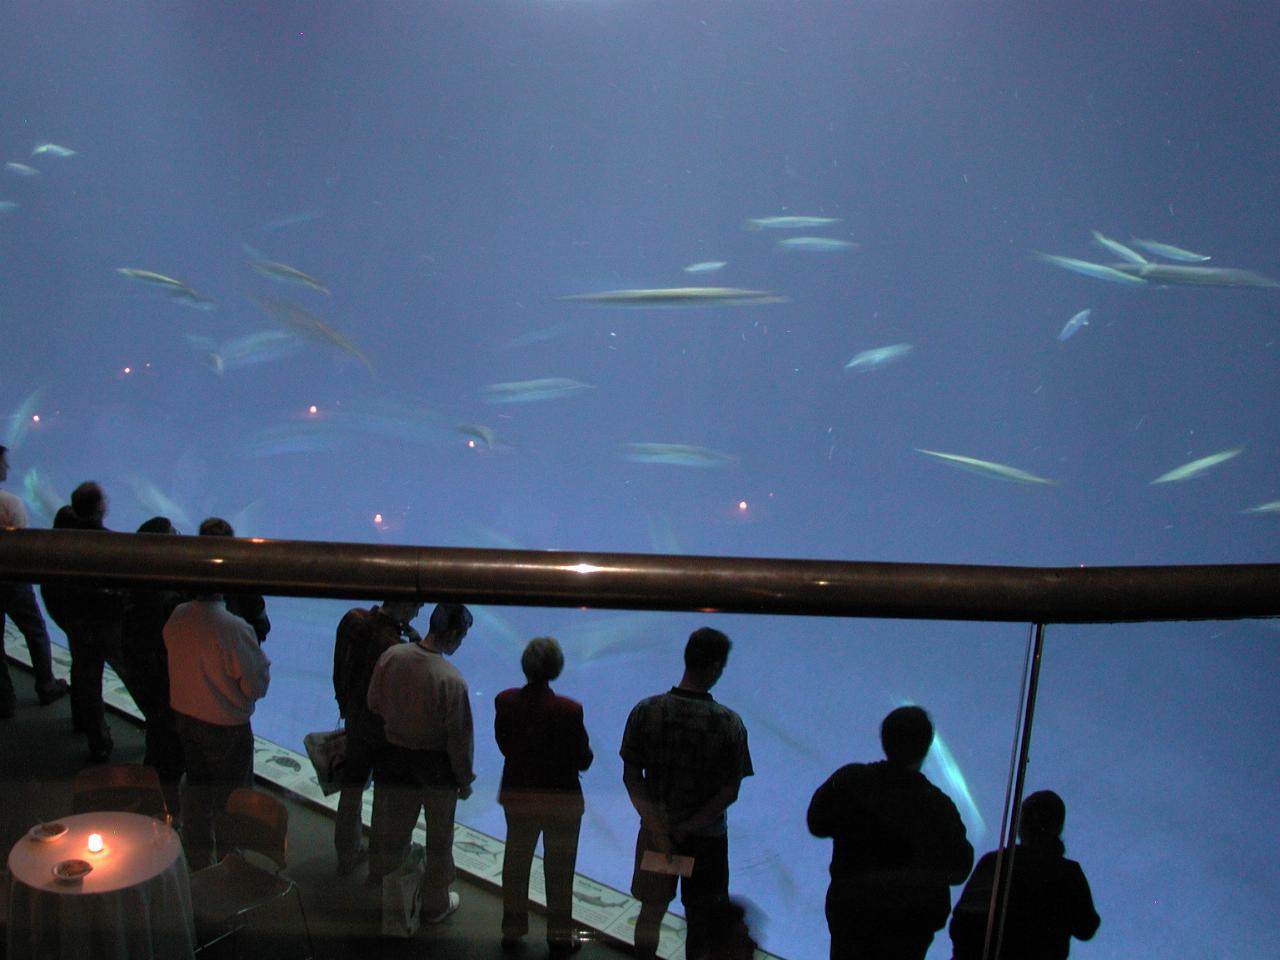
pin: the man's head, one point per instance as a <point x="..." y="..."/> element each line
<point x="449" y="624"/>
<point x="402" y="611"/>
<point x="216" y="527"/>
<point x="542" y="660"/>
<point x="906" y="735"/>
<point x="1043" y="815"/>
<point x="88" y="501"/>
<point x="157" y="525"/>
<point x="705" y="656"/>
<point x="4" y="463"/>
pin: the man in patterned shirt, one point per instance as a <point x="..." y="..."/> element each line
<point x="684" y="757"/>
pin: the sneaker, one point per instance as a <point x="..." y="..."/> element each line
<point x="565" y="948"/>
<point x="55" y="691"/>
<point x="454" y="902"/>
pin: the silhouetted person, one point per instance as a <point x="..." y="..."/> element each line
<point x="899" y="844"/>
<point x="729" y="931"/>
<point x="1049" y="897"/>
<point x="428" y="762"/>
<point x="18" y="603"/>
<point x="147" y="663"/>
<point x="684" y="757"/>
<point x="364" y="635"/>
<point x="91" y="618"/>
<point x="544" y="740"/>
<point x="249" y="607"/>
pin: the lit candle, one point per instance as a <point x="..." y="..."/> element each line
<point x="95" y="843"/>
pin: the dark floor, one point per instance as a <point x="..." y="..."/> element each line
<point x="42" y="753"/>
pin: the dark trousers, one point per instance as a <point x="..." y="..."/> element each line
<point x="18" y="603"/>
<point x="406" y="783"/>
<point x="219" y="759"/>
<point x="559" y="832"/>
<point x="364" y="738"/>
<point x="93" y="643"/>
<point x="856" y="936"/>
<point x="705" y="887"/>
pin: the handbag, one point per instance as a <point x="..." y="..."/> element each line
<point x="328" y="752"/>
<point x="402" y="895"/>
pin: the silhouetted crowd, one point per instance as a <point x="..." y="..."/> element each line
<point x="195" y="667"/>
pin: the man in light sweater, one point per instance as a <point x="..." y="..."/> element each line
<point x="217" y="673"/>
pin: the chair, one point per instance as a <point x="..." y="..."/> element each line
<point x="127" y="787"/>
<point x="226" y="895"/>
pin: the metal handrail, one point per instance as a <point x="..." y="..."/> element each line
<point x="542" y="578"/>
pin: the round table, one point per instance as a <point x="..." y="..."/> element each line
<point x="134" y="905"/>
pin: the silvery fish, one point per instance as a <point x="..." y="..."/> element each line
<point x="306" y="324"/>
<point x="1185" y="274"/>
<point x="1081" y="319"/>
<point x="675" y="454"/>
<point x="788" y="223"/>
<point x="1118" y="248"/>
<point x="1170" y="252"/>
<point x="1196" y="467"/>
<point x="287" y="274"/>
<point x="53" y="149"/>
<point x="1099" y="271"/>
<point x="815" y="244"/>
<point x="1271" y="506"/>
<point x="878" y="357"/>
<point x="985" y="468"/>
<point x="530" y="391"/>
<point x="21" y="169"/>
<point x="706" y="266"/>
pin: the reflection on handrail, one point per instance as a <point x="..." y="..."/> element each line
<point x="917" y="591"/>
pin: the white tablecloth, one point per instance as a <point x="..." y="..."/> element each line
<point x="134" y="905"/>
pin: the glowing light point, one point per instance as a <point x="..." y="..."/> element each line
<point x="742" y="506"/>
<point x="377" y="518"/>
<point x="128" y="370"/>
<point x="35" y="418"/>
<point x="471" y="444"/>
<point x="313" y="409"/>
<point x="95" y="843"/>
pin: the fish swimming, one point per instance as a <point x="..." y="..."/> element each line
<point x="678" y="297"/>
<point x="1197" y="276"/>
<point x="289" y="220"/>
<point x="176" y="289"/>
<point x="985" y="468"/>
<point x="1118" y="248"/>
<point x="530" y="391"/>
<point x="53" y="149"/>
<point x="1081" y="319"/>
<point x="1098" y="271"/>
<point x="478" y="431"/>
<point x="1170" y="252"/>
<point x="41" y="496"/>
<point x="1271" y="506"/>
<point x="287" y="274"/>
<point x="788" y="223"/>
<point x="675" y="454"/>
<point x="21" y="169"/>
<point x="247" y="350"/>
<point x="706" y="266"/>
<point x="873" y="359"/>
<point x="7" y="205"/>
<point x="815" y="244"/>
<point x="157" y="502"/>
<point x="306" y="324"/>
<point x="541" y="335"/>
<point x="1196" y="467"/>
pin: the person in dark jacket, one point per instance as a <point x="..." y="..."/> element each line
<point x="899" y="844"/>
<point x="1049" y="897"/>
<point x="545" y="743"/>
<point x="146" y="661"/>
<point x="363" y="636"/>
<point x="91" y="618"/>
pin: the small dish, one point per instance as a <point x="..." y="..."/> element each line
<point x="44" y="832"/>
<point x="72" y="871"/>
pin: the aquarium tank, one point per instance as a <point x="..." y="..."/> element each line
<point x="886" y="281"/>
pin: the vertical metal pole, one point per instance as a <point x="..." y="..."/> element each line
<point x="1013" y="808"/>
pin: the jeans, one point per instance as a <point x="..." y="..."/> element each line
<point x="364" y="738"/>
<point x="219" y="759"/>
<point x="708" y="884"/>
<point x="405" y="782"/>
<point x="18" y="603"/>
<point x="93" y="643"/>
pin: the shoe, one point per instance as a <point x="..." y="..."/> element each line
<point x="351" y="861"/>
<point x="564" y="948"/>
<point x="455" y="901"/>
<point x="55" y="691"/>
